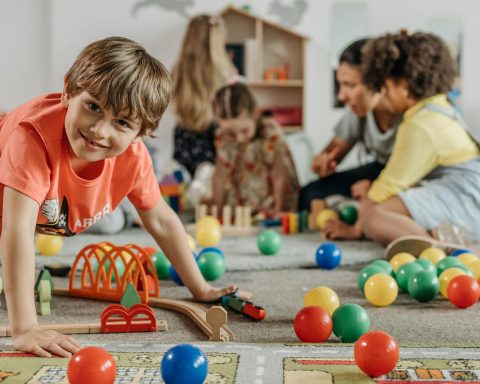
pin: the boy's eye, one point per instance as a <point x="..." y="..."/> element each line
<point x="123" y="123"/>
<point x="94" y="107"/>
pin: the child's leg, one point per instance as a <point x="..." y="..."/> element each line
<point x="388" y="221"/>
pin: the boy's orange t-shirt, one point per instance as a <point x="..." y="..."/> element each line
<point x="34" y="160"/>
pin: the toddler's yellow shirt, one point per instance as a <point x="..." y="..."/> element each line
<point x="425" y="140"/>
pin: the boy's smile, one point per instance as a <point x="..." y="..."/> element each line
<point x="94" y="132"/>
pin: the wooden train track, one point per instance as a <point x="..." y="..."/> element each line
<point x="196" y="312"/>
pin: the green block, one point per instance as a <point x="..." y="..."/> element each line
<point x="44" y="275"/>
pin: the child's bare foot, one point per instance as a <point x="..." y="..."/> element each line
<point x="336" y="229"/>
<point x="212" y="294"/>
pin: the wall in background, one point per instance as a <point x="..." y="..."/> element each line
<point x="40" y="39"/>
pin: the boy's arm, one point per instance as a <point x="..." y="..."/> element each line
<point x="18" y="268"/>
<point x="165" y="227"/>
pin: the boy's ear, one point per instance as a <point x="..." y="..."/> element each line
<point x="65" y="95"/>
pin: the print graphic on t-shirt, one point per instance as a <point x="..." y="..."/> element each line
<point x="57" y="224"/>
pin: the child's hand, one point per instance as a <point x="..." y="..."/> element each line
<point x="212" y="294"/>
<point x="360" y="189"/>
<point x="44" y="343"/>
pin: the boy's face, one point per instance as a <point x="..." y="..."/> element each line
<point x="240" y="129"/>
<point x="353" y="92"/>
<point x="95" y="133"/>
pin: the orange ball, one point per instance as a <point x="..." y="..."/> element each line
<point x="376" y="353"/>
<point x="91" y="365"/>
<point x="313" y="325"/>
<point x="463" y="291"/>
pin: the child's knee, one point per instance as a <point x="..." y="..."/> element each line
<point x="370" y="219"/>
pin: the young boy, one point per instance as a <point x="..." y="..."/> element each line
<point x="69" y="159"/>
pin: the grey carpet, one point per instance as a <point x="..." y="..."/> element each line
<point x="298" y="251"/>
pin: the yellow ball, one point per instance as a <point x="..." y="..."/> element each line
<point x="48" y="245"/>
<point x="475" y="268"/>
<point x="467" y="258"/>
<point x="208" y="221"/>
<point x="208" y="236"/>
<point x="433" y="254"/>
<point x="191" y="243"/>
<point x="401" y="258"/>
<point x="324" y="215"/>
<point x="323" y="297"/>
<point x="381" y="290"/>
<point x="447" y="276"/>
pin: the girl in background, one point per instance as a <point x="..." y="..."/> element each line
<point x="433" y="174"/>
<point x="201" y="69"/>
<point x="254" y="166"/>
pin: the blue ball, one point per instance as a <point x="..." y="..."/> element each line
<point x="458" y="252"/>
<point x="328" y="256"/>
<point x="212" y="249"/>
<point x="184" y="364"/>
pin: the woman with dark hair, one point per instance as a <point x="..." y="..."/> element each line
<point x="367" y="121"/>
<point x="433" y="175"/>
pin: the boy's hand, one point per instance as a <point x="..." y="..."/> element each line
<point x="212" y="294"/>
<point x="44" y="343"/>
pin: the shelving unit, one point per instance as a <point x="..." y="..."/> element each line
<point x="273" y="61"/>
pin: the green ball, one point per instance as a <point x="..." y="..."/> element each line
<point x="269" y="242"/>
<point x="366" y="272"/>
<point x="404" y="273"/>
<point x="212" y="265"/>
<point x="387" y="267"/>
<point x="427" y="265"/>
<point x="423" y="286"/>
<point x="350" y="322"/>
<point x="162" y="265"/>
<point x="348" y="214"/>
<point x="448" y="262"/>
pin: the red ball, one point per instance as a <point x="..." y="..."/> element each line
<point x="91" y="365"/>
<point x="150" y="250"/>
<point x="463" y="291"/>
<point x="376" y="353"/>
<point x="313" y="324"/>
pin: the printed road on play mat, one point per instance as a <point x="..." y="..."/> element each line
<point x="261" y="364"/>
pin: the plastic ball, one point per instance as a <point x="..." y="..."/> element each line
<point x="467" y="258"/>
<point x="427" y="265"/>
<point x="212" y="265"/>
<point x="447" y="276"/>
<point x="162" y="265"/>
<point x="322" y="297"/>
<point x="212" y="249"/>
<point x="385" y="265"/>
<point x="91" y="365"/>
<point x="475" y="268"/>
<point x="381" y="290"/>
<point x="448" y="262"/>
<point x="350" y="321"/>
<point x="184" y="364"/>
<point x="401" y="258"/>
<point x="348" y="214"/>
<point x="175" y="276"/>
<point x="433" y="254"/>
<point x="208" y="236"/>
<point x="404" y="273"/>
<point x="328" y="256"/>
<point x="324" y="216"/>
<point x="313" y="325"/>
<point x="376" y="353"/>
<point x="269" y="242"/>
<point x="366" y="273"/>
<point x="458" y="252"/>
<point x="48" y="245"/>
<point x="149" y="250"/>
<point x="191" y="243"/>
<point x="208" y="221"/>
<point x="463" y="291"/>
<point x="423" y="286"/>
<point x="119" y="264"/>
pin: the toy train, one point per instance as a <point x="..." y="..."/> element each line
<point x="246" y="308"/>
